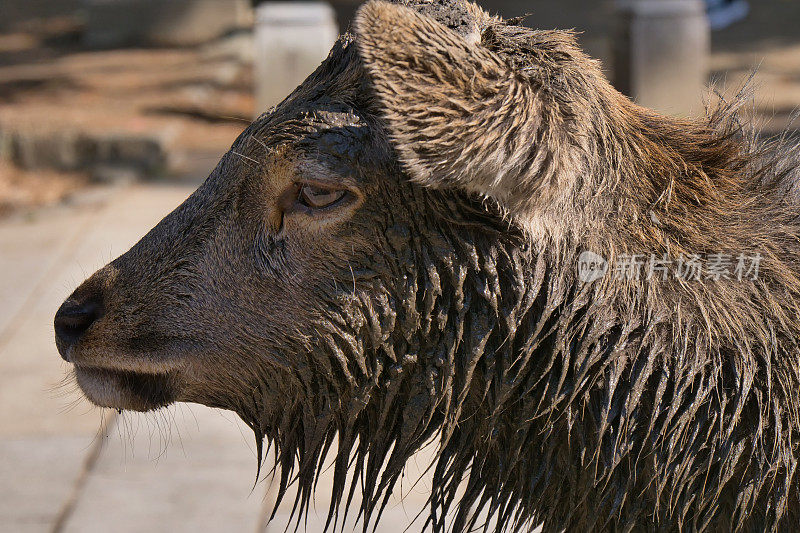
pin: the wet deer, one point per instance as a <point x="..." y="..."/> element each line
<point x="397" y="254"/>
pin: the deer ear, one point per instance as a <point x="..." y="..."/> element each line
<point x="456" y="114"/>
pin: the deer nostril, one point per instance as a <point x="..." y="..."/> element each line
<point x="72" y="320"/>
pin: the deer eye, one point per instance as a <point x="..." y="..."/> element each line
<point x="318" y="197"/>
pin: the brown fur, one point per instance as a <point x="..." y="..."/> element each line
<point x="441" y="299"/>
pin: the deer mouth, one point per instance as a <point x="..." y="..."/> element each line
<point x="126" y="389"/>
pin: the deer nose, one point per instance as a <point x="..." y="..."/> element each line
<point x="72" y="321"/>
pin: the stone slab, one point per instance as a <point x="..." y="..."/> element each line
<point x="36" y="474"/>
<point x="147" y="155"/>
<point x="189" y="470"/>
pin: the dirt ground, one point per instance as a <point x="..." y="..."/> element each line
<point x="26" y="189"/>
<point x="198" y="99"/>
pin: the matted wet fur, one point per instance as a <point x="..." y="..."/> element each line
<point x="442" y="300"/>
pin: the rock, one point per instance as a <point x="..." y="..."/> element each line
<point x="112" y="23"/>
<point x="106" y="157"/>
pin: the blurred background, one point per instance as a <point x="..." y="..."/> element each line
<point x="113" y="111"/>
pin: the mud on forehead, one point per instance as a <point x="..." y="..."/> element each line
<point x="329" y="133"/>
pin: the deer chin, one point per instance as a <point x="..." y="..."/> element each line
<point x="126" y="389"/>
